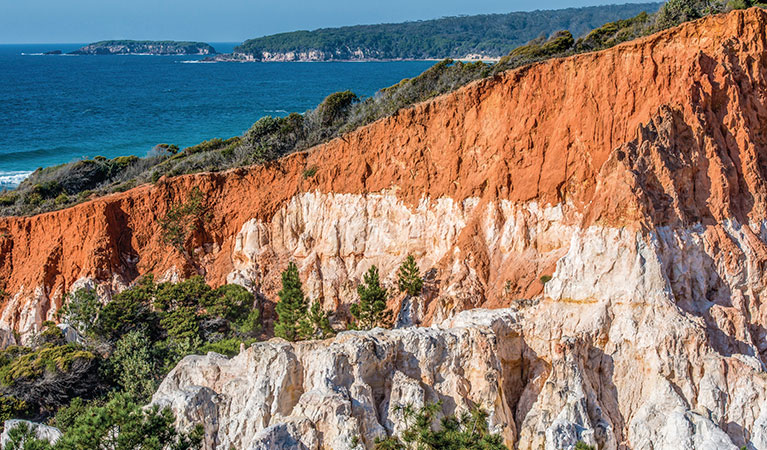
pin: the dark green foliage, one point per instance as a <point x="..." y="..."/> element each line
<point x="207" y="146"/>
<point x="128" y="311"/>
<point x="614" y="33"/>
<point x="409" y="277"/>
<point x="65" y="417"/>
<point x="292" y="307"/>
<point x="228" y="347"/>
<point x="448" y="37"/>
<point x="140" y="335"/>
<point x="316" y="325"/>
<point x="370" y="311"/>
<point x="81" y="310"/>
<point x="60" y="186"/>
<point x="545" y="279"/>
<point x="674" y="12"/>
<point x="183" y="219"/>
<point x="336" y="106"/>
<point x="10" y="408"/>
<point x="271" y="137"/>
<point x="46" y="376"/>
<point x="469" y="431"/>
<point x="310" y="172"/>
<point x="580" y="445"/>
<point x="558" y="43"/>
<point x="121" y="424"/>
<point x="23" y="437"/>
<point x="133" y="366"/>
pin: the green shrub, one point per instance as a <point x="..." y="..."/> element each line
<point x="33" y="198"/>
<point x="336" y="106"/>
<point x="545" y="279"/>
<point x="81" y="310"/>
<point x="310" y="172"/>
<point x="133" y="366"/>
<point x="423" y="430"/>
<point x="139" y="428"/>
<point x="11" y="408"/>
<point x="228" y="347"/>
<point x="8" y="199"/>
<point x="183" y="219"/>
<point x="580" y="445"/>
<point x="128" y="311"/>
<point x="48" y="376"/>
<point x="316" y="325"/>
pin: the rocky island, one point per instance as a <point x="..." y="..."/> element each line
<point x="125" y="47"/>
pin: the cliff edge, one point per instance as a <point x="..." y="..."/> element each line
<point x="633" y="177"/>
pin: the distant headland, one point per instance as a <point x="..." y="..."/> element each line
<point x="482" y="37"/>
<point x="127" y="47"/>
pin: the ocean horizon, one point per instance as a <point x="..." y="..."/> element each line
<point x="63" y="108"/>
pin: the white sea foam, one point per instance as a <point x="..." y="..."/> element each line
<point x="12" y="178"/>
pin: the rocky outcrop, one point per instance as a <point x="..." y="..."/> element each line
<point x="633" y="178"/>
<point x="145" y="48"/>
<point x="541" y="391"/>
<point x="40" y="431"/>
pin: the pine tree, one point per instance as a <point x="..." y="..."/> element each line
<point x="371" y="310"/>
<point x="409" y="277"/>
<point x="316" y="325"/>
<point x="292" y="307"/>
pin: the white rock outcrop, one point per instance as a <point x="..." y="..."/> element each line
<point x="42" y="432"/>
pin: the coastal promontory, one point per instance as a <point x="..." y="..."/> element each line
<point x="126" y="47"/>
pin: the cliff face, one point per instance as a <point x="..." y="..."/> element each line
<point x="634" y="177"/>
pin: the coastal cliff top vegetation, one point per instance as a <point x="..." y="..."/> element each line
<point x="270" y="138"/>
<point x="131" y="46"/>
<point x="489" y="35"/>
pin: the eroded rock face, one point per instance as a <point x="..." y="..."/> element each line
<point x="328" y="394"/>
<point x="541" y="391"/>
<point x="634" y="177"/>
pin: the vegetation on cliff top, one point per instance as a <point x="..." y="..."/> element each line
<point x="273" y="137"/>
<point x="490" y="35"/>
<point x="156" y="47"/>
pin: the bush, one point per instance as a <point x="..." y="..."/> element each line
<point x="11" y="408"/>
<point x="138" y="428"/>
<point x="182" y="220"/>
<point x="81" y="310"/>
<point x="317" y="323"/>
<point x="336" y="106"/>
<point x="128" y="311"/>
<point x="580" y="445"/>
<point x="310" y="172"/>
<point x="47" y="377"/>
<point x="469" y="431"/>
<point x="545" y="279"/>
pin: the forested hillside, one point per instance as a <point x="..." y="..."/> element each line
<point x="491" y="35"/>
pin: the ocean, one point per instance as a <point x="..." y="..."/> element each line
<point x="58" y="109"/>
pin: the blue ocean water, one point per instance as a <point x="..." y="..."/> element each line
<point x="57" y="109"/>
